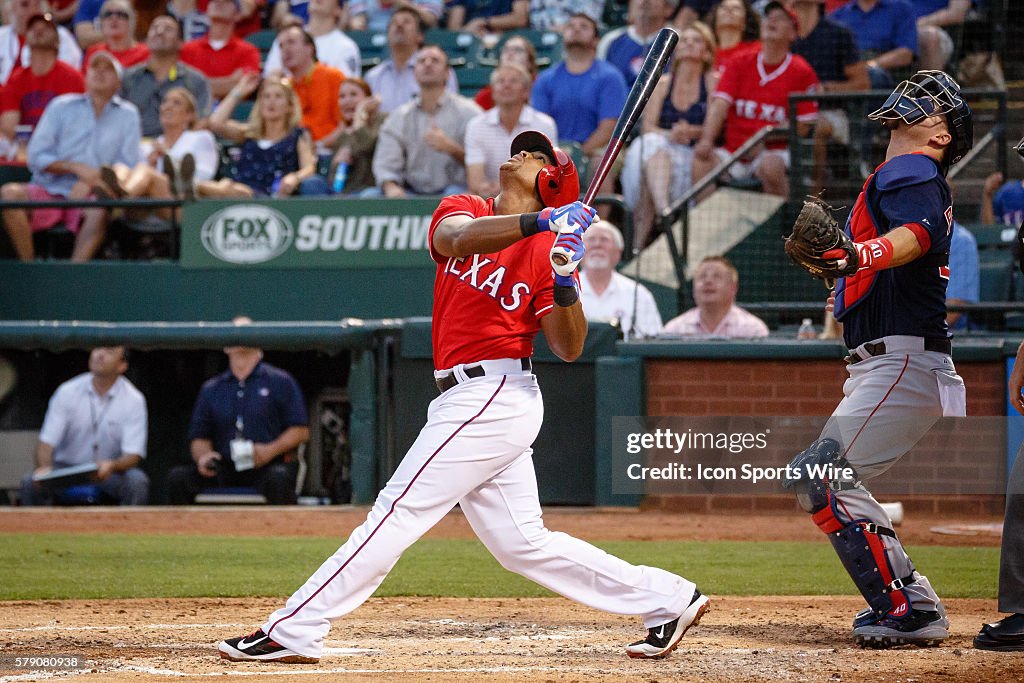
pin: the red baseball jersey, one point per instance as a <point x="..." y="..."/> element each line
<point x="28" y="94"/>
<point x="759" y="93"/>
<point x="488" y="306"/>
<point x="236" y="54"/>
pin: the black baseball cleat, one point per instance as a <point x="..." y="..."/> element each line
<point x="921" y="628"/>
<point x="259" y="647"/>
<point x="662" y="640"/>
<point x="1005" y="635"/>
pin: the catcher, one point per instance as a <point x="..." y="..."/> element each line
<point x="890" y="268"/>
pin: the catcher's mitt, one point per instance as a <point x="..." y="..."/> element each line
<point x="816" y="233"/>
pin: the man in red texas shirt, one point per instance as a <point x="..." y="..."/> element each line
<point x="494" y="290"/>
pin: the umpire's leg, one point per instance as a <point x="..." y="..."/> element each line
<point x="1011" y="561"/>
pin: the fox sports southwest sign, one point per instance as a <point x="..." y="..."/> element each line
<point x="307" y="233"/>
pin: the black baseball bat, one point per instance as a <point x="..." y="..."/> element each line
<point x="653" y="66"/>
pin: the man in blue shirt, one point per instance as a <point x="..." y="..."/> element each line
<point x="625" y="47"/>
<point x="247" y="426"/>
<point x="583" y="94"/>
<point x="886" y="35"/>
<point x="76" y="135"/>
<point x="964" y="285"/>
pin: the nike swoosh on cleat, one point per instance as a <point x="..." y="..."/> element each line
<point x="661" y="632"/>
<point x="242" y="645"/>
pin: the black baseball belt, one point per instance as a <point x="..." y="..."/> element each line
<point x="871" y="349"/>
<point x="472" y="371"/>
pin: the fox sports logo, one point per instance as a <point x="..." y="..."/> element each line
<point x="247" y="233"/>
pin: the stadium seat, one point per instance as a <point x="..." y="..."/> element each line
<point x="373" y="47"/>
<point x="463" y="49"/>
<point x="262" y="40"/>
<point x="473" y="78"/>
<point x="242" y="111"/>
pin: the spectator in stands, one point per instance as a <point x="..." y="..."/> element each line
<point x="333" y="47"/>
<point x="30" y="89"/>
<point x="13" y="48"/>
<point x="1002" y="202"/>
<point x="63" y="12"/>
<point x="964" y="286"/>
<point x="607" y="295"/>
<point x="220" y="55"/>
<point x="583" y="94"/>
<point x="172" y="161"/>
<point x="830" y="49"/>
<point x="489" y="134"/>
<point x="249" y="19"/>
<point x="194" y="23"/>
<point x="77" y="134"/>
<point x="482" y="17"/>
<point x="146" y="85"/>
<point x="87" y="23"/>
<point x="276" y="152"/>
<point x="934" y="44"/>
<point x="375" y="15"/>
<point x="356" y="138"/>
<point x="716" y="314"/>
<point x="658" y="165"/>
<point x="394" y="79"/>
<point x="553" y="15"/>
<point x="688" y="11"/>
<point x="737" y="29"/>
<point x="515" y="50"/>
<point x="420" y="149"/>
<point x="315" y="83"/>
<point x="117" y="26"/>
<point x="753" y="93"/>
<point x="886" y="36"/>
<point x="246" y="430"/>
<point x="625" y="47"/>
<point x="97" y="417"/>
<point x="291" y="12"/>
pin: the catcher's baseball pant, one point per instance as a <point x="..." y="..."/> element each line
<point x="890" y="402"/>
<point x="1011" y="561"/>
<point x="475" y="451"/>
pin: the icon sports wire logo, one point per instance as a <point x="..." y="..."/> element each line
<point x="247" y="233"/>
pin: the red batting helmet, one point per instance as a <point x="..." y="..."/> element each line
<point x="558" y="184"/>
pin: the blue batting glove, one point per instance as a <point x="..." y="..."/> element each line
<point x="566" y="218"/>
<point x="570" y="245"/>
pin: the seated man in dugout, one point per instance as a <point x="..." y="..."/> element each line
<point x="97" y="417"/>
<point x="246" y="429"/>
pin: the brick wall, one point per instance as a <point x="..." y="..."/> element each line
<point x="813" y="387"/>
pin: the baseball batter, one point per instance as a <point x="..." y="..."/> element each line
<point x="901" y="378"/>
<point x="494" y="290"/>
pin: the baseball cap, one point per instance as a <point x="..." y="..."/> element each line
<point x="103" y="54"/>
<point x="533" y="141"/>
<point x="775" y="4"/>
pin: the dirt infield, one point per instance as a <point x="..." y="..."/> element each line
<point x="437" y="639"/>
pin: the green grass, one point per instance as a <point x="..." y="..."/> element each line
<point x="56" y="566"/>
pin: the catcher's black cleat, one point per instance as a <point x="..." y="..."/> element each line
<point x="920" y="628"/>
<point x="662" y="640"/>
<point x="259" y="647"/>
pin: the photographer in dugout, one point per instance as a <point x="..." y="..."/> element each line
<point x="891" y="270"/>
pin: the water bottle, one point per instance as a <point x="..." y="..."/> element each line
<point x="806" y="330"/>
<point x="274" y="186"/>
<point x="340" y="175"/>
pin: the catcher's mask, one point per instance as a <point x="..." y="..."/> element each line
<point x="932" y="93"/>
<point x="557" y="184"/>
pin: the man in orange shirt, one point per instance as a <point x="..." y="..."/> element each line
<point x="316" y="84"/>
